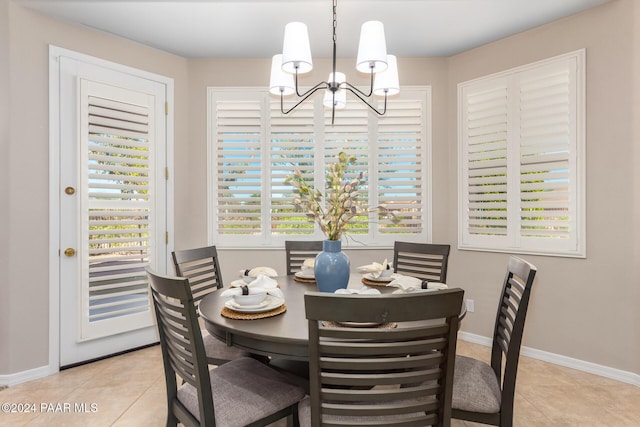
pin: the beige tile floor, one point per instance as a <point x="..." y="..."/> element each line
<point x="128" y="390"/>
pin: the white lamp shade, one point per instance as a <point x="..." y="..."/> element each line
<point x="280" y="82"/>
<point x="296" y="51"/>
<point x="387" y="80"/>
<point x="372" y="50"/>
<point x="340" y="78"/>
<point x="340" y="100"/>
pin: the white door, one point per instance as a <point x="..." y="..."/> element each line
<point x="112" y="208"/>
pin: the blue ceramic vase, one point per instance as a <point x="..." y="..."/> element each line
<point x="332" y="267"/>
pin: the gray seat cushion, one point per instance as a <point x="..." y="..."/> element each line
<point x="216" y="349"/>
<point x="475" y="386"/>
<point x="244" y="390"/>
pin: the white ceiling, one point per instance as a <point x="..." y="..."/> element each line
<point x="254" y="28"/>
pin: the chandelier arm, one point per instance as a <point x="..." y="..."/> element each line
<point x="361" y="98"/>
<point x="353" y="88"/>
<point x="310" y="91"/>
<point x="306" y="95"/>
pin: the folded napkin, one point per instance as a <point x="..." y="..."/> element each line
<point x="375" y="269"/>
<point x="261" y="284"/>
<point x="362" y="291"/>
<point x="256" y="271"/>
<point x="407" y="284"/>
<point x="309" y="263"/>
<point x="436" y="285"/>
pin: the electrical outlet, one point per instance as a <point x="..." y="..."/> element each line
<point x="470" y="306"/>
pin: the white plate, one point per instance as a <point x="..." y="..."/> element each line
<point x="238" y="283"/>
<point x="415" y="291"/>
<point x="359" y="324"/>
<point x="269" y="303"/>
<point x="419" y="291"/>
<point x="370" y="276"/>
<point x="361" y="291"/>
<point x="302" y="275"/>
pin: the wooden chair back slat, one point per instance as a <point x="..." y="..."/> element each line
<point x="397" y="375"/>
<point x="505" y="351"/>
<point x="298" y="251"/>
<point x="201" y="267"/>
<point x="507" y="342"/>
<point x="421" y="260"/>
<point x="181" y="342"/>
<point x="370" y="380"/>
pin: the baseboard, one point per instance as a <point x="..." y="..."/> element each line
<point x="24" y="376"/>
<point x="476" y="339"/>
<point x="568" y="362"/>
<point x="44" y="371"/>
<point x="557" y="359"/>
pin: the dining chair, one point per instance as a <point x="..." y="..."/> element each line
<point x="381" y="359"/>
<point x="242" y="392"/>
<point x="201" y="267"/>
<point x="425" y="261"/>
<point x="483" y="393"/>
<point x="297" y="251"/>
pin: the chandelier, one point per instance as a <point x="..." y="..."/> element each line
<point x="372" y="58"/>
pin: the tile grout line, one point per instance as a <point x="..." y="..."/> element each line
<point x="134" y="402"/>
<point x="541" y="411"/>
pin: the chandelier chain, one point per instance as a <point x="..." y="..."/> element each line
<point x="335" y="20"/>
<point x="332" y="85"/>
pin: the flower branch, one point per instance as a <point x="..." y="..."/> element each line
<point x="341" y="201"/>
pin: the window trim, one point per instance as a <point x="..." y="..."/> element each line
<point x="577" y="153"/>
<point x="275" y="242"/>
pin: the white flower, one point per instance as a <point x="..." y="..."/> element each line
<point x="340" y="201"/>
<point x="339" y="209"/>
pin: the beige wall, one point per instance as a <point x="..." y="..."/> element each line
<point x="635" y="43"/>
<point x="4" y="188"/>
<point x="581" y="308"/>
<point x="584" y="309"/>
<point x="27" y="165"/>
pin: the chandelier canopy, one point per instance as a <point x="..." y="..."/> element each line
<point x="372" y="58"/>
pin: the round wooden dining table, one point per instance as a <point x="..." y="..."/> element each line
<point x="284" y="335"/>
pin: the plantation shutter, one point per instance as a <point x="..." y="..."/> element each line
<point x="401" y="168"/>
<point x="350" y="133"/>
<point x="237" y="190"/>
<point x="485" y="133"/>
<point x="292" y="143"/>
<point x="253" y="147"/>
<point x="547" y="169"/>
<point x="117" y="147"/>
<point x="521" y="145"/>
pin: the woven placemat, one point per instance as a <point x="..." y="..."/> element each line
<point x="303" y="280"/>
<point x="375" y="282"/>
<point x="232" y="314"/>
<point x="389" y="325"/>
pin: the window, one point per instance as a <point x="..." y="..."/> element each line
<point x="521" y="147"/>
<point x="253" y="147"/>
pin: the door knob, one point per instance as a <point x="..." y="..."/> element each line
<point x="69" y="252"/>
